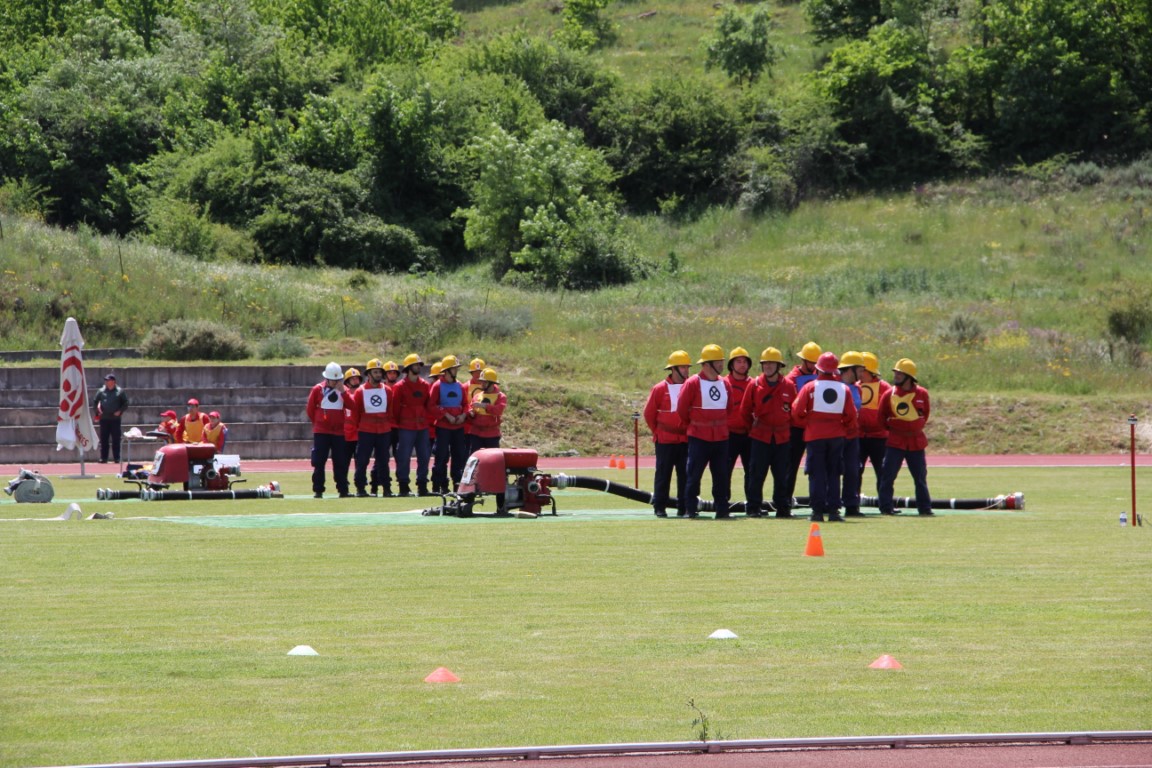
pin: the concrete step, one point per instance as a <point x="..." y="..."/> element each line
<point x="174" y="377"/>
<point x="250" y="430"/>
<point x="141" y="416"/>
<point x="42" y="453"/>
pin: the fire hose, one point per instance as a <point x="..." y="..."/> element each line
<point x="562" y="481"/>
<point x="149" y="494"/>
<point x="30" y="487"/>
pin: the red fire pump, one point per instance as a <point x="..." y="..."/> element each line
<point x="191" y="466"/>
<point x="510" y="475"/>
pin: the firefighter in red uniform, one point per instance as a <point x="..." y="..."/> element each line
<point x="851" y="366"/>
<point x="411" y="396"/>
<point x="448" y="410"/>
<point x="372" y="417"/>
<point x="739" y="364"/>
<point x="804" y="372"/>
<point x="391" y="376"/>
<point x="475" y="368"/>
<point x="703" y="406"/>
<point x="873" y="434"/>
<point x="904" y="410"/>
<point x="352" y="379"/>
<point x="192" y="425"/>
<point x="668" y="434"/>
<point x="767" y="410"/>
<point x="325" y="409"/>
<point x="825" y="409"/>
<point x="486" y="411"/>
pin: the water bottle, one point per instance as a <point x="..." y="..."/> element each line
<point x="1123" y="518"/>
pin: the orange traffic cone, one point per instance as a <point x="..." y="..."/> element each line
<point x="442" y="675"/>
<point x="815" y="546"/>
<point x="885" y="662"/>
<point x="621" y="463"/>
<point x="612" y="461"/>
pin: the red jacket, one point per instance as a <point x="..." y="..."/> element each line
<point x="660" y="413"/>
<point x="709" y="423"/>
<point x="326" y="409"/>
<point x="738" y="387"/>
<point x="905" y="414"/>
<point x="767" y="409"/>
<point x="411" y="403"/>
<point x="448" y="399"/>
<point x="870" y="396"/>
<point x="351" y="433"/>
<point x="373" y="408"/>
<point x="825" y="410"/>
<point x="486" y="412"/>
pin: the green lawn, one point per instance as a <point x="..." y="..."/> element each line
<point x="136" y="639"/>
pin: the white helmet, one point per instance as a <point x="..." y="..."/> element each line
<point x="333" y="372"/>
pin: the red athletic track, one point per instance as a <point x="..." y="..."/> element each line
<point x="570" y="463"/>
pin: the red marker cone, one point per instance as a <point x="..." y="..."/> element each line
<point x="612" y="461"/>
<point x="885" y="662"/>
<point x="815" y="546"/>
<point x="620" y="463"/>
<point x="442" y="675"/>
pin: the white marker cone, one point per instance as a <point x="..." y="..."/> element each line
<point x="722" y="634"/>
<point x="303" y="650"/>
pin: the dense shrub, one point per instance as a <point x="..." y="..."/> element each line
<point x="283" y="346"/>
<point x="194" y="340"/>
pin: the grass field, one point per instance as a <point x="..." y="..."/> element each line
<point x="142" y="639"/>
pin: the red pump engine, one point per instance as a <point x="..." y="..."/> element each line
<point x="510" y="475"/>
<point x="192" y="466"/>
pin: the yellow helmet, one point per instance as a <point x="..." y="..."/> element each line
<point x="871" y="363"/>
<point x="711" y="353"/>
<point x="810" y="352"/>
<point x="436" y="368"/>
<point x="489" y="374"/>
<point x="906" y="367"/>
<point x="678" y="358"/>
<point x="477" y="365"/>
<point x="350" y="373"/>
<point x="374" y="365"/>
<point x="771" y="355"/>
<point x="738" y="352"/>
<point x="391" y="366"/>
<point x="412" y="359"/>
<point x="851" y="360"/>
<point x="451" y="361"/>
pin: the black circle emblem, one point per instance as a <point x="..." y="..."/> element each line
<point x="376" y="401"/>
<point x="714" y="394"/>
<point x="866" y="394"/>
<point x="901" y="409"/>
<point x="333" y="397"/>
<point x="830" y="396"/>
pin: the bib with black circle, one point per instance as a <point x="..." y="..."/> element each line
<point x="331" y="400"/>
<point x="870" y="395"/>
<point x="828" y="397"/>
<point x="903" y="407"/>
<point x="713" y="395"/>
<point x="375" y="400"/>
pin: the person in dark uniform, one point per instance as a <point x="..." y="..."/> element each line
<point x="110" y="403"/>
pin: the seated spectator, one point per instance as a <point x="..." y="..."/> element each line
<point x="168" y="425"/>
<point x="193" y="424"/>
<point x="217" y="432"/>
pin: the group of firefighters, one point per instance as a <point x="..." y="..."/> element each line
<point x="392" y="410"/>
<point x="837" y="410"/>
<point x="195" y="426"/>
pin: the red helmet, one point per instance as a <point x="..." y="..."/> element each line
<point x="828" y="363"/>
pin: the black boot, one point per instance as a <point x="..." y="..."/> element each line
<point x="406" y="490"/>
<point x="853" y="512"/>
<point x="424" y="490"/>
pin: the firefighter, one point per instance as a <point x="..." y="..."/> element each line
<point x="767" y="411"/>
<point x="475" y="368"/>
<point x="739" y="364"/>
<point x="217" y="433"/>
<point x="326" y="407"/>
<point x="391" y="376"/>
<point x="448" y="410"/>
<point x="825" y="410"/>
<point x="352" y="380"/>
<point x="703" y="407"/>
<point x="904" y="410"/>
<point x="851" y="365"/>
<point x="486" y="411"/>
<point x="873" y="434"/>
<point x="804" y="372"/>
<point x="668" y="434"/>
<point x="411" y="395"/>
<point x="168" y="425"/>
<point x="192" y="425"/>
<point x="372" y="417"/>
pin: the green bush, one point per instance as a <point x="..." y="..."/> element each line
<point x="500" y="323"/>
<point x="963" y="330"/>
<point x="1130" y="316"/>
<point x="194" y="340"/>
<point x="283" y="346"/>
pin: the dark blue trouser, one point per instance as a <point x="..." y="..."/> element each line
<point x="451" y="444"/>
<point x="917" y="467"/>
<point x="322" y="446"/>
<point x="714" y="455"/>
<point x="796" y="458"/>
<point x="850" y="495"/>
<point x="670" y="457"/>
<point x="767" y="457"/>
<point x="825" y="466"/>
<point x="739" y="447"/>
<point x="110" y="438"/>
<point x="872" y="450"/>
<point x="475" y="443"/>
<point x="371" y="444"/>
<point x="412" y="439"/>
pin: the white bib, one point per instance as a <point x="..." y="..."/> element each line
<point x="375" y="400"/>
<point x="331" y="399"/>
<point x="829" y="396"/>
<point x="674" y="395"/>
<point x="713" y="395"/>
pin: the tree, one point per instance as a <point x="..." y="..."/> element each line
<point x="584" y="27"/>
<point x="839" y="19"/>
<point x="742" y="46"/>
